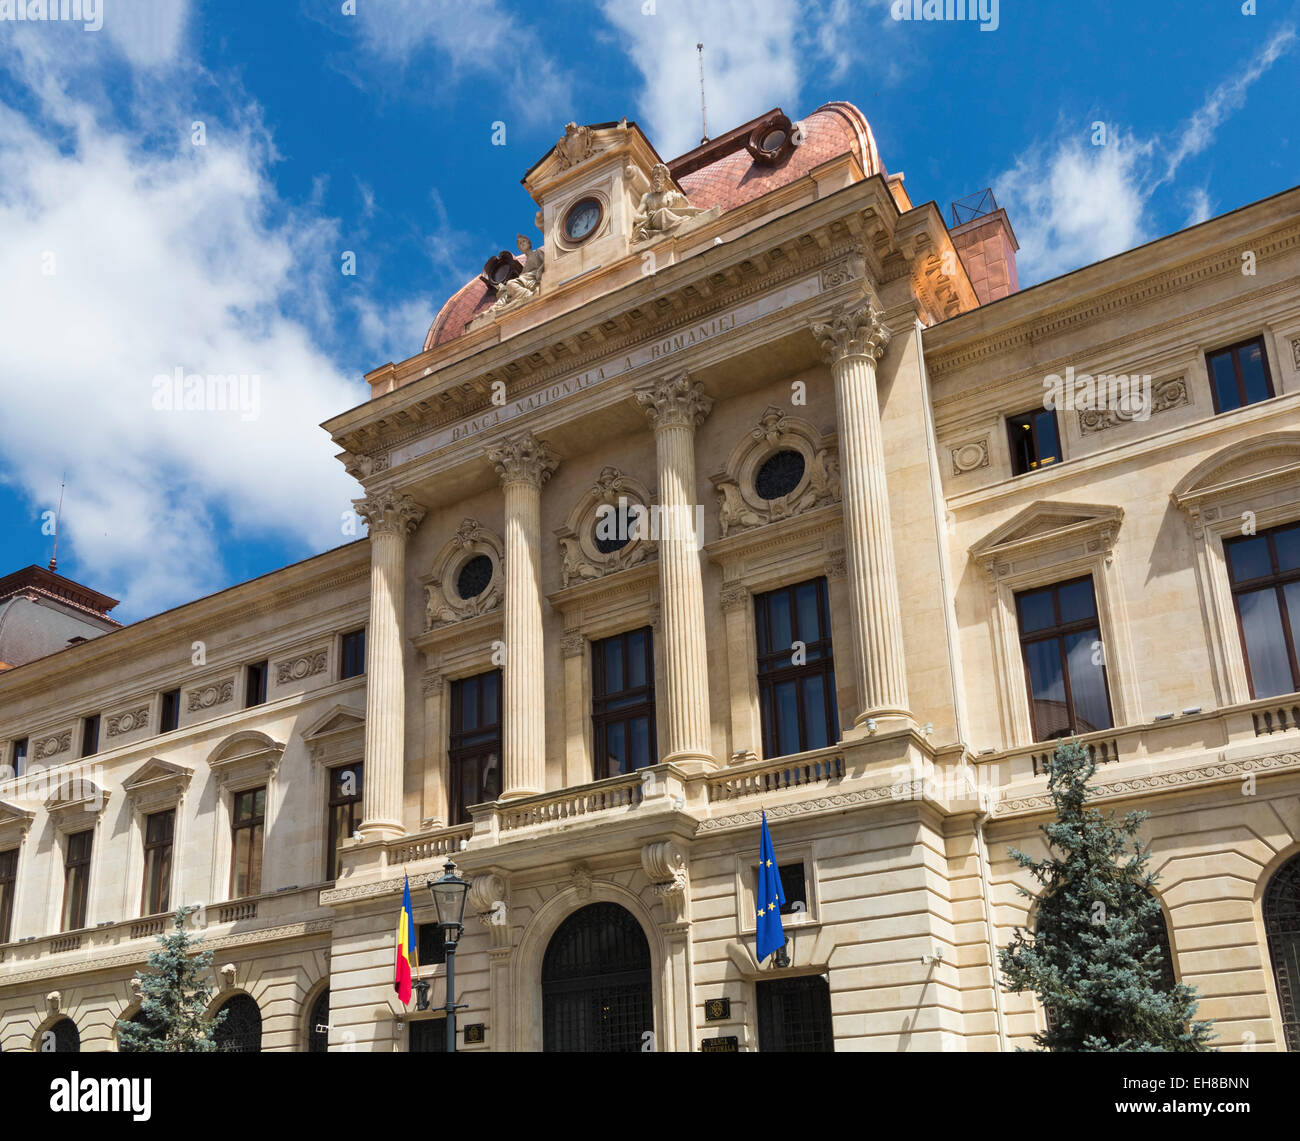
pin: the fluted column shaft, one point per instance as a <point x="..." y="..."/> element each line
<point x="523" y="463"/>
<point x="392" y="517"/>
<point x="853" y="340"/>
<point x="675" y="407"/>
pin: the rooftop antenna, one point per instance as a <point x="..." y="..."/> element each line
<point x="704" y="119"/>
<point x="54" y="558"/>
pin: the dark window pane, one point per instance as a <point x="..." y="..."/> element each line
<point x="1087" y="681"/>
<point x="1248" y="558"/>
<point x="1036" y="611"/>
<point x="1286" y="542"/>
<point x="1266" y="653"/>
<point x="787" y="714"/>
<point x="1251" y="358"/>
<point x="1048" y="443"/>
<point x="1047" y="688"/>
<point x="780" y="632"/>
<point x="1224" y="375"/>
<point x="814" y="712"/>
<point x="779" y="474"/>
<point x="809" y="616"/>
<point x="1076" y="601"/>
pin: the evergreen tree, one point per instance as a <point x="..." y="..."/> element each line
<point x="1094" y="958"/>
<point x="174" y="1000"/>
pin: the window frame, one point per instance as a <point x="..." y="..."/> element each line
<point x="256" y="676"/>
<point x="155" y="892"/>
<point x="602" y="716"/>
<point x="255" y="823"/>
<point x="1277" y="579"/>
<point x="17" y="758"/>
<point x="769" y="674"/>
<point x="1032" y="416"/>
<point x="90" y="726"/>
<point x="333" y="841"/>
<point x="79" y="908"/>
<point x="174" y="697"/>
<point x="1059" y="630"/>
<point x="346" y="657"/>
<point x="1239" y="374"/>
<point x="459" y="753"/>
<point x="8" y="890"/>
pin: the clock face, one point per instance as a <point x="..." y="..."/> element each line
<point x="582" y="219"/>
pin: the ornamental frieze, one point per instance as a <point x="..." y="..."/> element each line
<point x="1165" y="394"/>
<point x="208" y="696"/>
<point x="297" y="669"/>
<point x="53" y="745"/>
<point x="127" y="722"/>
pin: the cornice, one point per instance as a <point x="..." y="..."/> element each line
<point x="1153" y="286"/>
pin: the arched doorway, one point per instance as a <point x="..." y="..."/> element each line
<point x="241" y="1030"/>
<point x="1282" y="924"/>
<point x="318" y="1039"/>
<point x="61" y="1038"/>
<point x="596" y="995"/>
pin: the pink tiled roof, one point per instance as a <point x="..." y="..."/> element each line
<point x="730" y="180"/>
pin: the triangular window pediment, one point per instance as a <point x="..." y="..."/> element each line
<point x="1049" y="522"/>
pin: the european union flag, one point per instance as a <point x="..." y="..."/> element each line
<point x="769" y="897"/>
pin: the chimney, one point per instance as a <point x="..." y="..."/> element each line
<point x="986" y="244"/>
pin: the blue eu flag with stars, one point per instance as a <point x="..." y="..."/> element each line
<point x="769" y="897"/>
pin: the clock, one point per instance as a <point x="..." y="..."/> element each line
<point x="582" y="219"/>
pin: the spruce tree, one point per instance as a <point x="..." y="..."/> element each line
<point x="174" y="999"/>
<point x="1094" y="957"/>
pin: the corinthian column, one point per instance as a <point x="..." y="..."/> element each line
<point x="392" y="516"/>
<point x="523" y="463"/>
<point x="852" y="341"/>
<point x="675" y="408"/>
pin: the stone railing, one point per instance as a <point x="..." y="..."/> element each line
<point x="572" y="803"/>
<point x="428" y="845"/>
<point x="234" y="912"/>
<point x="146" y="928"/>
<point x="1101" y="752"/>
<point x="780" y="774"/>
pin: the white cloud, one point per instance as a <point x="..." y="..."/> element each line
<point x="162" y="258"/>
<point x="149" y="33"/>
<point x="1199" y="207"/>
<point x="757" y="55"/>
<point x="1073" y="204"/>
<point x="481" y="39"/>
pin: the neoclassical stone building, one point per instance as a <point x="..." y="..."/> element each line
<point x="750" y="485"/>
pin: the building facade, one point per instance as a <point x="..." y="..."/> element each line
<point x="750" y="487"/>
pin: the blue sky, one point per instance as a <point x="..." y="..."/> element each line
<point x="127" y="251"/>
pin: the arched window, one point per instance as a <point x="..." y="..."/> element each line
<point x="61" y="1038"/>
<point x="241" y="1031"/>
<point x="596" y="983"/>
<point x="318" y="1039"/>
<point x="1282" y="924"/>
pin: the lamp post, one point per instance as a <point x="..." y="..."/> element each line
<point x="449" y="899"/>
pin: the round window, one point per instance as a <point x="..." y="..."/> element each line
<point x="779" y="474"/>
<point x="474" y="577"/>
<point x="582" y="219"/>
<point x="607" y="546"/>
<point x="774" y="140"/>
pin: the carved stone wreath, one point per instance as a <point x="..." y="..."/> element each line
<point x="615" y="507"/>
<point x="443" y="600"/>
<point x="741" y="507"/>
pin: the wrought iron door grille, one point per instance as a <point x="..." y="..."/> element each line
<point x="794" y="1016"/>
<point x="1282" y="922"/>
<point x="241" y="1030"/>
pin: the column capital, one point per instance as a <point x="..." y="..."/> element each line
<point x="523" y="459"/>
<point x="674" y="402"/>
<point x="394" y="512"/>
<point x="857" y="331"/>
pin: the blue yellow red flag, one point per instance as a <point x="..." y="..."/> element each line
<point x="769" y="897"/>
<point x="407" y="948"/>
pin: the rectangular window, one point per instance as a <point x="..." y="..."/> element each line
<point x="255" y="685"/>
<point x="158" y="830"/>
<point x="1265" y="573"/>
<point x="431" y="944"/>
<point x="90" y="736"/>
<point x="1035" y="442"/>
<point x="1239" y="375"/>
<point x="19" y="757"/>
<point x="796" y="670"/>
<point x="1060" y="638"/>
<point x="170" y="717"/>
<point x="474" y="749"/>
<point x="248" y="823"/>
<point x="353" y="652"/>
<point x="344" y="812"/>
<point x="8" y="884"/>
<point x="623" y="702"/>
<point x="794" y="886"/>
<point x="76" y="879"/>
<point x="794" y="1016"/>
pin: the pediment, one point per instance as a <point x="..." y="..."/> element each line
<point x="72" y="793"/>
<point x="1272" y="459"/>
<point x="339" y="719"/>
<point x="156" y="773"/>
<point x="1049" y="522"/>
<point x="11" y="815"/>
<point x="243" y="745"/>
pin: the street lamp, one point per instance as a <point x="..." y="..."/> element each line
<point x="449" y="899"/>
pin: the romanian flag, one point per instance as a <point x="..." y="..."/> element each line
<point x="407" y="955"/>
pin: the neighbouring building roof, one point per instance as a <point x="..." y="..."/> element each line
<point x="42" y="612"/>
